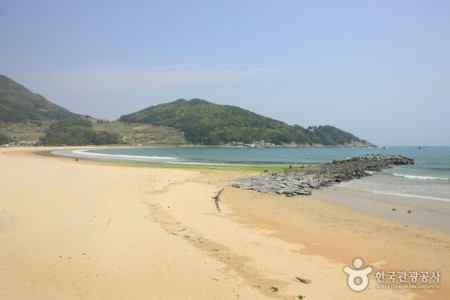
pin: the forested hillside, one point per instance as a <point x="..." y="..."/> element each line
<point x="210" y="124"/>
<point x="25" y="115"/>
<point x="20" y="105"/>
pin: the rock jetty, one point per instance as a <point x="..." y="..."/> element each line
<point x="302" y="181"/>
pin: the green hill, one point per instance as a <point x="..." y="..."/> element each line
<point x="210" y="124"/>
<point x="20" y="105"/>
<point x="26" y="116"/>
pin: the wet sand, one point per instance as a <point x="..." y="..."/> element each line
<point x="77" y="230"/>
<point x="426" y="213"/>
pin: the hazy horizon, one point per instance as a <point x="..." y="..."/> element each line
<point x="376" y="69"/>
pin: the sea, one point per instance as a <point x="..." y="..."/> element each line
<point x="428" y="178"/>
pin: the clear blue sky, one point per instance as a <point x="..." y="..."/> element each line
<point x="378" y="69"/>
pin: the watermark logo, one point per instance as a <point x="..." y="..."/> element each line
<point x="358" y="279"/>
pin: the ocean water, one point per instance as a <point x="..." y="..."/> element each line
<point x="428" y="178"/>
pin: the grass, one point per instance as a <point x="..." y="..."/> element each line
<point x="245" y="169"/>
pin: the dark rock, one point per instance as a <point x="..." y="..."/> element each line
<point x="300" y="182"/>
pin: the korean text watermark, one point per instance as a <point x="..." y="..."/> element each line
<point x="408" y="279"/>
<point x="358" y="278"/>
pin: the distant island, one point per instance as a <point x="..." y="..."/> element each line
<point x="30" y="119"/>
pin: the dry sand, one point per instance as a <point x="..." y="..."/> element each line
<point x="83" y="230"/>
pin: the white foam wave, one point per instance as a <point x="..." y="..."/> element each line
<point x="398" y="194"/>
<point x="421" y="177"/>
<point x="85" y="153"/>
<point x="412" y="196"/>
<point x="122" y="156"/>
<point x="206" y="164"/>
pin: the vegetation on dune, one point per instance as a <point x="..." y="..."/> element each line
<point x="78" y="131"/>
<point x="210" y="124"/>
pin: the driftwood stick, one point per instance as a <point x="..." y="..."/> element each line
<point x="217" y="199"/>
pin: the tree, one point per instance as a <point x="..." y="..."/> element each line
<point x="4" y="139"/>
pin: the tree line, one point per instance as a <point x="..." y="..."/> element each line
<point x="77" y="131"/>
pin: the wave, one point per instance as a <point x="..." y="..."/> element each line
<point x="421" y="177"/>
<point x="409" y="195"/>
<point x="207" y="164"/>
<point x="84" y="153"/>
<point x="397" y="194"/>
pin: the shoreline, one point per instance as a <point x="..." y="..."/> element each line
<point x="112" y="157"/>
<point x="88" y="230"/>
<point x="164" y="165"/>
<point x="433" y="215"/>
<point x="426" y="213"/>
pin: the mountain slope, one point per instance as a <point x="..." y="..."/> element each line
<point x="211" y="124"/>
<point x="20" y="105"/>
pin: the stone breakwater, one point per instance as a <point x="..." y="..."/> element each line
<point x="302" y="181"/>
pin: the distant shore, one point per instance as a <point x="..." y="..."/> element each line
<point x="76" y="229"/>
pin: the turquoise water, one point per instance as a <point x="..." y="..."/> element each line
<point x="428" y="178"/>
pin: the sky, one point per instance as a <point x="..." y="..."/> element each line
<point x="378" y="69"/>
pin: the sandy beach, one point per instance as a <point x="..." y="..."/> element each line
<point x="85" y="230"/>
